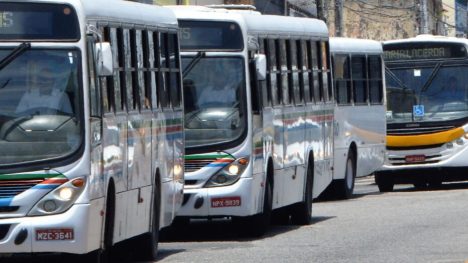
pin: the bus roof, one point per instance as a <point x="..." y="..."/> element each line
<point x="428" y="38"/>
<point x="125" y="11"/>
<point x="204" y="13"/>
<point x="256" y="23"/>
<point x="354" y="45"/>
<point x="284" y="26"/>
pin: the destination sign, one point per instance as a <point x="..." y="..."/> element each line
<point x="29" y="21"/>
<point x="411" y="51"/>
<point x="209" y="35"/>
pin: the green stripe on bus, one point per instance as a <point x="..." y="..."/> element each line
<point x="206" y="156"/>
<point x="29" y="176"/>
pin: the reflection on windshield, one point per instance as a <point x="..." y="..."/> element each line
<point x="38" y="106"/>
<point x="427" y="93"/>
<point x="214" y="100"/>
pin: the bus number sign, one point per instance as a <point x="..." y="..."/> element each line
<point x="6" y="19"/>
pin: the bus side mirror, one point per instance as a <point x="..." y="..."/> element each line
<point x="104" y="62"/>
<point x="260" y="65"/>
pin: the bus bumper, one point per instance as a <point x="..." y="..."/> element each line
<point x="40" y="233"/>
<point x="240" y="199"/>
<point x="438" y="164"/>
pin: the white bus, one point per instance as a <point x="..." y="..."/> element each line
<point x="427" y="116"/>
<point x="259" y="115"/>
<point x="91" y="134"/>
<point x="358" y="75"/>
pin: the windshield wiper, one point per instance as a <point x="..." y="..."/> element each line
<point x="431" y="77"/>
<point x="399" y="82"/>
<point x="14" y="54"/>
<point x="192" y="63"/>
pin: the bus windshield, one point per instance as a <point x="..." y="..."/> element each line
<point x="214" y="100"/>
<point x="427" y="93"/>
<point x="39" y="112"/>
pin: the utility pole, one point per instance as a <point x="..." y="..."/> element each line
<point x="322" y="10"/>
<point x="338" y="18"/>
<point x="423" y="17"/>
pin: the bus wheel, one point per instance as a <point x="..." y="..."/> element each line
<point x="343" y="189"/>
<point x="384" y="182"/>
<point x="257" y="225"/>
<point x="105" y="254"/>
<point x="301" y="213"/>
<point x="146" y="246"/>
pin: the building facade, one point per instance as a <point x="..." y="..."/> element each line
<point x="373" y="19"/>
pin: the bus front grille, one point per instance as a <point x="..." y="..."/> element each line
<point x="402" y="160"/>
<point x="195" y="165"/>
<point x="12" y="188"/>
<point x="8" y="209"/>
<point x="4" y="228"/>
<point x="418" y="130"/>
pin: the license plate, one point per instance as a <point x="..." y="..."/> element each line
<point x="226" y="201"/>
<point x="54" y="234"/>
<point x="415" y="158"/>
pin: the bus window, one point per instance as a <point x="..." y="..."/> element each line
<point x="305" y="70"/>
<point x="107" y="83"/>
<point x="375" y="79"/>
<point x="285" y="96"/>
<point x="116" y="42"/>
<point x="134" y="88"/>
<point x="148" y="74"/>
<point x="294" y="74"/>
<point x="127" y="88"/>
<point x="323" y="68"/>
<point x="358" y="74"/>
<point x="163" y="72"/>
<point x="342" y="79"/>
<point x="94" y="94"/>
<point x="174" y="74"/>
<point x="265" y="85"/>
<point x="317" y="91"/>
<point x="273" y="71"/>
<point x="157" y="73"/>
<point x="140" y="67"/>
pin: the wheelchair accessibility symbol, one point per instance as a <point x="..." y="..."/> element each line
<point x="418" y="110"/>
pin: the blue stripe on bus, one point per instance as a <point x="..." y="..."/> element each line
<point x="45" y="186"/>
<point x="6" y="201"/>
<point x="217" y="164"/>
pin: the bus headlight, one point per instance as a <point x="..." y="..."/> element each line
<point x="229" y="174"/>
<point x="60" y="199"/>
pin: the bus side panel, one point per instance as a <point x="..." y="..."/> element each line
<point x="177" y="131"/>
<point x="373" y="135"/>
<point x="163" y="155"/>
<point x="139" y="174"/>
<point x="368" y="136"/>
<point x="316" y="142"/>
<point x="294" y="134"/>
<point x="278" y="155"/>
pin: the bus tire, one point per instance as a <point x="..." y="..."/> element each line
<point x="146" y="245"/>
<point x="105" y="254"/>
<point x="384" y="182"/>
<point x="258" y="225"/>
<point x="344" y="187"/>
<point x="301" y="213"/>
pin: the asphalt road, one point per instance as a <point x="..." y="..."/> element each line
<point x="402" y="226"/>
